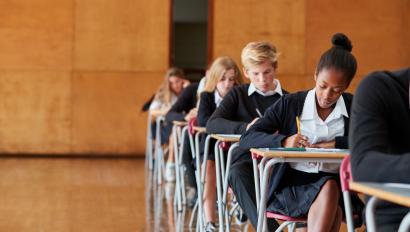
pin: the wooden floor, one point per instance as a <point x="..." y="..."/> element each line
<point x="57" y="194"/>
<point x="80" y="194"/>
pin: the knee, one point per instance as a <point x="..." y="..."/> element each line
<point x="331" y="189"/>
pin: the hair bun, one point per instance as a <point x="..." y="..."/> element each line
<point x="340" y="40"/>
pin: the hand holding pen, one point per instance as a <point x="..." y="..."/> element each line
<point x="296" y="140"/>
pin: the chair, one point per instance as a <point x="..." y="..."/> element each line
<point x="345" y="178"/>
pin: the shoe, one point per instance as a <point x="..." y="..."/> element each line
<point x="170" y="172"/>
<point x="191" y="196"/>
<point x="210" y="227"/>
<point x="240" y="217"/>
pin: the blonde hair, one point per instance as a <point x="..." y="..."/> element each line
<point x="164" y="93"/>
<point x="218" y="69"/>
<point x="255" y="53"/>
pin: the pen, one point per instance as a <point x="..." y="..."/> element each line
<point x="259" y="113"/>
<point x="298" y="124"/>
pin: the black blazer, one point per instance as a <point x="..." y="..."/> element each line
<point x="186" y="101"/>
<point x="206" y="107"/>
<point x="279" y="122"/>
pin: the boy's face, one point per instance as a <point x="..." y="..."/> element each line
<point x="261" y="76"/>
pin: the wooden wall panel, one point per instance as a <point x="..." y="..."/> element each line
<point x="375" y="28"/>
<point x="125" y="35"/>
<point x="35" y="112"/>
<point x="106" y="111"/>
<point x="281" y="22"/>
<point x="36" y="35"/>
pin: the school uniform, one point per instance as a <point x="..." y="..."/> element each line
<point x="186" y="102"/>
<point x="238" y="108"/>
<point x="277" y="124"/>
<point x="380" y="141"/>
<point x="166" y="128"/>
<point x="209" y="101"/>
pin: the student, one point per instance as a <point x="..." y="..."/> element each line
<point x="306" y="189"/>
<point x="185" y="110"/>
<point x="168" y="93"/>
<point x="222" y="76"/>
<point x="172" y="86"/>
<point x="380" y="141"/>
<point x="244" y="104"/>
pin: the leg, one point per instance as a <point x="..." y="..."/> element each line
<point x="323" y="212"/>
<point x="171" y="150"/>
<point x="210" y="192"/>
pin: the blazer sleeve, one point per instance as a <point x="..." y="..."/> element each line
<point x="263" y="133"/>
<point x="222" y="121"/>
<point x="182" y="106"/>
<point x="205" y="109"/>
<point x="370" y="156"/>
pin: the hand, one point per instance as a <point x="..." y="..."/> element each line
<point x="192" y="114"/>
<point x="329" y="144"/>
<point x="251" y="123"/>
<point x="296" y="140"/>
<point x="186" y="83"/>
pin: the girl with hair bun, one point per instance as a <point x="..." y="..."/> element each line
<point x="316" y="118"/>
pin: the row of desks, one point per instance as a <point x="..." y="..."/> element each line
<point x="398" y="194"/>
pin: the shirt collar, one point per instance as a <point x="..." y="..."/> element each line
<point x="252" y="89"/>
<point x="218" y="98"/>
<point x="310" y="110"/>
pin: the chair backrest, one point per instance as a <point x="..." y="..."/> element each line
<point x="345" y="174"/>
<point x="193" y="122"/>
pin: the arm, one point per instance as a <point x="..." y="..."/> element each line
<point x="222" y="121"/>
<point x="262" y="133"/>
<point x="369" y="140"/>
<point x="205" y="109"/>
<point x="183" y="105"/>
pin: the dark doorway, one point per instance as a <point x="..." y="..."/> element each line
<point x="189" y="40"/>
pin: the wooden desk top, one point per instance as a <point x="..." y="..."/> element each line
<point x="226" y="137"/>
<point x="395" y="193"/>
<point x="300" y="153"/>
<point x="157" y="113"/>
<point x="180" y="123"/>
<point x="200" y="129"/>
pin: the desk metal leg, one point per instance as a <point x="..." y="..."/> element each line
<point x="405" y="223"/>
<point x="225" y="185"/>
<point x="264" y="191"/>
<point x="370" y="214"/>
<point x="219" y="185"/>
<point x="348" y="211"/>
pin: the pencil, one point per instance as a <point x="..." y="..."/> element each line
<point x="298" y="124"/>
<point x="259" y="113"/>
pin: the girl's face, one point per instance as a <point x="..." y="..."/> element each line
<point x="226" y="82"/>
<point x="261" y="76"/>
<point x="176" y="84"/>
<point x="330" y="84"/>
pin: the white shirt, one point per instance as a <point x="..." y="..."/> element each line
<point x="201" y="85"/>
<point x="317" y="130"/>
<point x="218" y="98"/>
<point x="278" y="89"/>
<point x="159" y="105"/>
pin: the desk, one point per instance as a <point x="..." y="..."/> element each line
<point x="395" y="193"/>
<point x="196" y="156"/>
<point x="274" y="156"/>
<point x="221" y="175"/>
<point x="178" y="135"/>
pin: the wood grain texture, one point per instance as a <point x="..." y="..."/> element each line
<point x="35" y="112"/>
<point x="72" y="195"/>
<point x="36" y="35"/>
<point x="123" y="35"/>
<point x="106" y="111"/>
